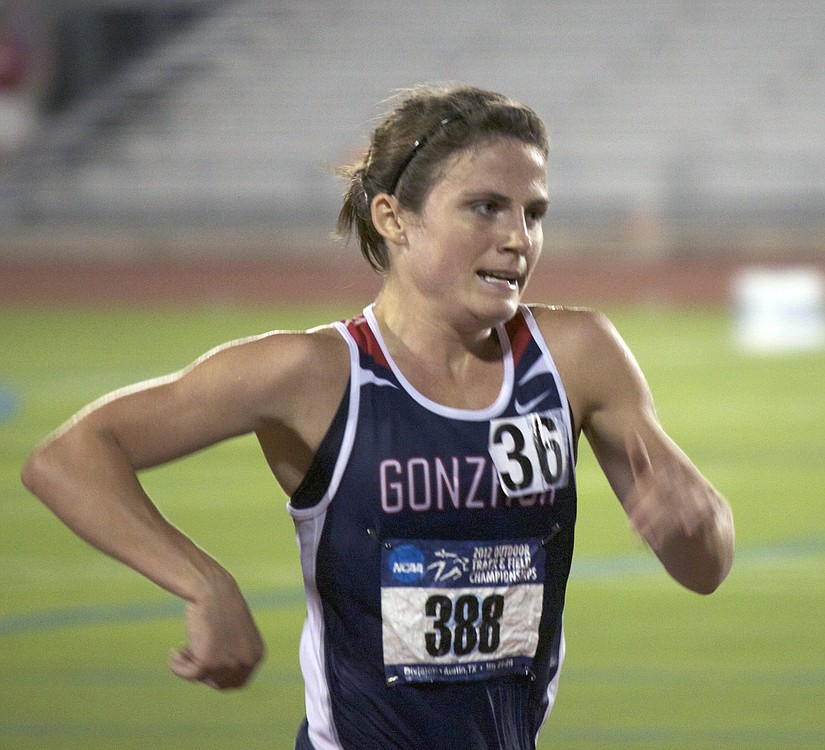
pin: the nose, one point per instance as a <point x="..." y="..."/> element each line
<point x="519" y="234"/>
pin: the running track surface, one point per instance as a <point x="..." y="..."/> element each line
<point x="325" y="279"/>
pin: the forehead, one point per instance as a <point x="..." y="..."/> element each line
<point x="496" y="164"/>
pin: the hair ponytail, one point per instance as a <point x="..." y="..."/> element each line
<point x="356" y="214"/>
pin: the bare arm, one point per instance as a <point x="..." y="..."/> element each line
<point x="683" y="518"/>
<point x="87" y="475"/>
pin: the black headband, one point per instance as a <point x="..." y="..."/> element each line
<point x="416" y="147"/>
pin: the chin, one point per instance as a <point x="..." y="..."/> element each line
<point x="500" y="312"/>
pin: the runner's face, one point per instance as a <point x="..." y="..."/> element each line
<point x="478" y="237"/>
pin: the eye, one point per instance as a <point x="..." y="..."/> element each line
<point x="486" y="208"/>
<point x="535" y="214"/>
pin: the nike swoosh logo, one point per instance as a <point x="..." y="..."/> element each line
<point x="368" y="376"/>
<point x="533" y="402"/>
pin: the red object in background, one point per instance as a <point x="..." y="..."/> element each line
<point x="12" y="63"/>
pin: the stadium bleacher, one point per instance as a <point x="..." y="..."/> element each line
<point x="675" y="123"/>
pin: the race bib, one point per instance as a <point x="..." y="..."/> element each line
<point x="460" y="610"/>
<point x="529" y="452"/>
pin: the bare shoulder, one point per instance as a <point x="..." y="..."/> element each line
<point x="574" y="332"/>
<point x="298" y="382"/>
<point x="284" y="353"/>
<point x="321" y="350"/>
<point x="292" y="363"/>
<point x="594" y="362"/>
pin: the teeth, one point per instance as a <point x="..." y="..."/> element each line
<point x="493" y="279"/>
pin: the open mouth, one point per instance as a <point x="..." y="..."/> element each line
<point x="499" y="279"/>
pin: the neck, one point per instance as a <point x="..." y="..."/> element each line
<point x="425" y="331"/>
<point x="448" y="368"/>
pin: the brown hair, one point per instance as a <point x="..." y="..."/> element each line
<point x="426" y="126"/>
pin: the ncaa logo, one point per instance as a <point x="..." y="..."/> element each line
<point x="406" y="563"/>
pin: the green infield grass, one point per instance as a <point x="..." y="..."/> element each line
<point x="83" y="641"/>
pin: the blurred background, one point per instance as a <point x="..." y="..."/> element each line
<point x="680" y="130"/>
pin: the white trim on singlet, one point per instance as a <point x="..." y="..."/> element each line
<point x="553" y="685"/>
<point x="311" y="651"/>
<point x="538" y="337"/>
<point x="477" y="415"/>
<point x="355" y="378"/>
<point x="309" y="525"/>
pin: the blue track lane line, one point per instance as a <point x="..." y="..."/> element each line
<point x="595" y="568"/>
<point x="77" y="617"/>
<point x="9" y="402"/>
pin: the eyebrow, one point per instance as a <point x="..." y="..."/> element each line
<point x="543" y="202"/>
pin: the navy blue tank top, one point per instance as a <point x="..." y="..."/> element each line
<point x="435" y="545"/>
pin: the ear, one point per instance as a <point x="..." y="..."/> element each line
<point x="388" y="219"/>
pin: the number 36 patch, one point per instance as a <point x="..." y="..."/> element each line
<point x="529" y="452"/>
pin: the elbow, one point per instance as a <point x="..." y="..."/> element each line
<point x="36" y="471"/>
<point x="725" y="547"/>
<point x="722" y="568"/>
<point x="46" y="467"/>
<point x="32" y="471"/>
<point x="706" y="586"/>
<point x="701" y="579"/>
<point x="712" y="563"/>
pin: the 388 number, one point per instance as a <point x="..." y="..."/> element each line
<point x="474" y="623"/>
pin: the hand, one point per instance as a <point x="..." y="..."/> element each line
<point x="224" y="646"/>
